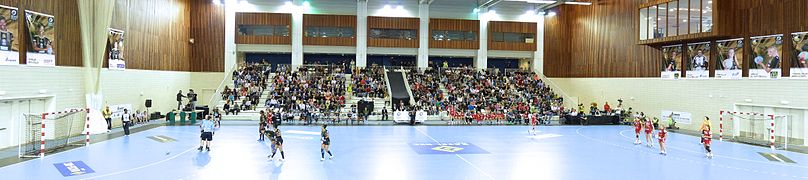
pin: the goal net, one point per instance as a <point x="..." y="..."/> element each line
<point x="52" y="131"/>
<point x="755" y="128"/>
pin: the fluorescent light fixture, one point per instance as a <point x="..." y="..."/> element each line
<point x="217" y="2"/>
<point x="492" y="11"/>
<point x="551" y="14"/>
<point x="579" y="3"/>
<point x="399" y="7"/>
<point x="476" y="10"/>
<point x="288" y="3"/>
<point x="709" y="2"/>
<point x="530" y="12"/>
<point x="542" y="13"/>
<point x="535" y="1"/>
<point x="387" y="6"/>
<point x="306" y="3"/>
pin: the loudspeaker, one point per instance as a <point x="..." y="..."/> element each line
<point x="148" y="103"/>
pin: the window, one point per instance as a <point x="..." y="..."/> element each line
<point x="263" y="30"/>
<point x="644" y="24"/>
<point x="662" y="20"/>
<point x="442" y="35"/>
<point x="707" y="16"/>
<point x="407" y="34"/>
<point x="695" y="16"/>
<point x="683" y="21"/>
<point x="653" y="23"/>
<point x="672" y="6"/>
<point x="316" y="31"/>
<point x="513" y="37"/>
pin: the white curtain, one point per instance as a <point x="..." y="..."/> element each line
<point x="94" y="17"/>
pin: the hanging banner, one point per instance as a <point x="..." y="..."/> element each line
<point x="766" y="53"/>
<point x="799" y="66"/>
<point x="730" y="59"/>
<point x="115" y="50"/>
<point x="41" y="46"/>
<point x="698" y="60"/>
<point x="9" y="49"/>
<point x="671" y="62"/>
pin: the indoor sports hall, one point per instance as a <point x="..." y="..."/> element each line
<point x="403" y="89"/>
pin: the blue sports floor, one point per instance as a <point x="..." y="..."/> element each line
<point x="392" y="152"/>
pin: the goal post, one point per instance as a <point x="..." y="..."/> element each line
<point x="754" y="128"/>
<point x="52" y="131"/>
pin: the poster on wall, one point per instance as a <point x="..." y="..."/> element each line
<point x="41" y="45"/>
<point x="672" y="58"/>
<point x="115" y="50"/>
<point x="799" y="66"/>
<point x="766" y="53"/>
<point x="9" y="49"/>
<point x="698" y="60"/>
<point x="730" y="59"/>
<point x="679" y="117"/>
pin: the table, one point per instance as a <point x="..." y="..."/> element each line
<point x="593" y="120"/>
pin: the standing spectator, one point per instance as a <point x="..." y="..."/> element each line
<point x="384" y="114"/>
<point x="179" y="99"/>
<point x="607" y="108"/>
<point x="192" y="99"/>
<point x="107" y="116"/>
<point x="126" y="119"/>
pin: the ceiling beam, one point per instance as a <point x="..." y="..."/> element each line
<point x="489" y="3"/>
<point x="550" y="6"/>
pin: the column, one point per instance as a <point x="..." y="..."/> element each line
<point x="297" y="34"/>
<point x="537" y="65"/>
<point x="230" y="9"/>
<point x="481" y="61"/>
<point x="361" y="33"/>
<point x="423" y="36"/>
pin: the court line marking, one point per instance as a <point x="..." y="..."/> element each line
<point x="723" y="156"/>
<point x="301" y="132"/>
<point x="775" y="157"/>
<point x="141" y="167"/>
<point x="578" y="131"/>
<point x="461" y="157"/>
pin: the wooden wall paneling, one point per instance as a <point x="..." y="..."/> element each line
<point x="393" y="23"/>
<point x="263" y="19"/>
<point x="312" y="20"/>
<point x="512" y="27"/>
<point x="598" y="41"/>
<point x="454" y="25"/>
<point x="207" y="30"/>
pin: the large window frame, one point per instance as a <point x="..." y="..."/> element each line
<point x="453" y="35"/>
<point x="513" y="37"/>
<point x="263" y="30"/>
<point x="674" y="18"/>
<point x="401" y="34"/>
<point x="329" y="32"/>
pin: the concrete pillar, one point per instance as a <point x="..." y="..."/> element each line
<point x="537" y="65"/>
<point x="229" y="36"/>
<point x="361" y="33"/>
<point x="423" y="36"/>
<point x="297" y="34"/>
<point x="481" y="61"/>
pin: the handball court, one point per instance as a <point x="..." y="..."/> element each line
<point x="412" y="152"/>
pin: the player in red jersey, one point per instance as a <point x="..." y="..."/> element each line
<point x="637" y="129"/>
<point x="662" y="136"/>
<point x="706" y="138"/>
<point x="649" y="131"/>
<point x="533" y="123"/>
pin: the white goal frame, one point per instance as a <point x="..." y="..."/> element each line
<point x="44" y="116"/>
<point x="770" y="117"/>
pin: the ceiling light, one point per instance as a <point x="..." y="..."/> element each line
<point x="551" y="14"/>
<point x="530" y="12"/>
<point x="579" y="3"/>
<point x="399" y="7"/>
<point x="386" y="6"/>
<point x="476" y="10"/>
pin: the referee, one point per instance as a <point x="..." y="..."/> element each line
<point x="207" y="127"/>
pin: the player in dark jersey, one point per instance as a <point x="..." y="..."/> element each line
<point x="326" y="139"/>
<point x="278" y="144"/>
